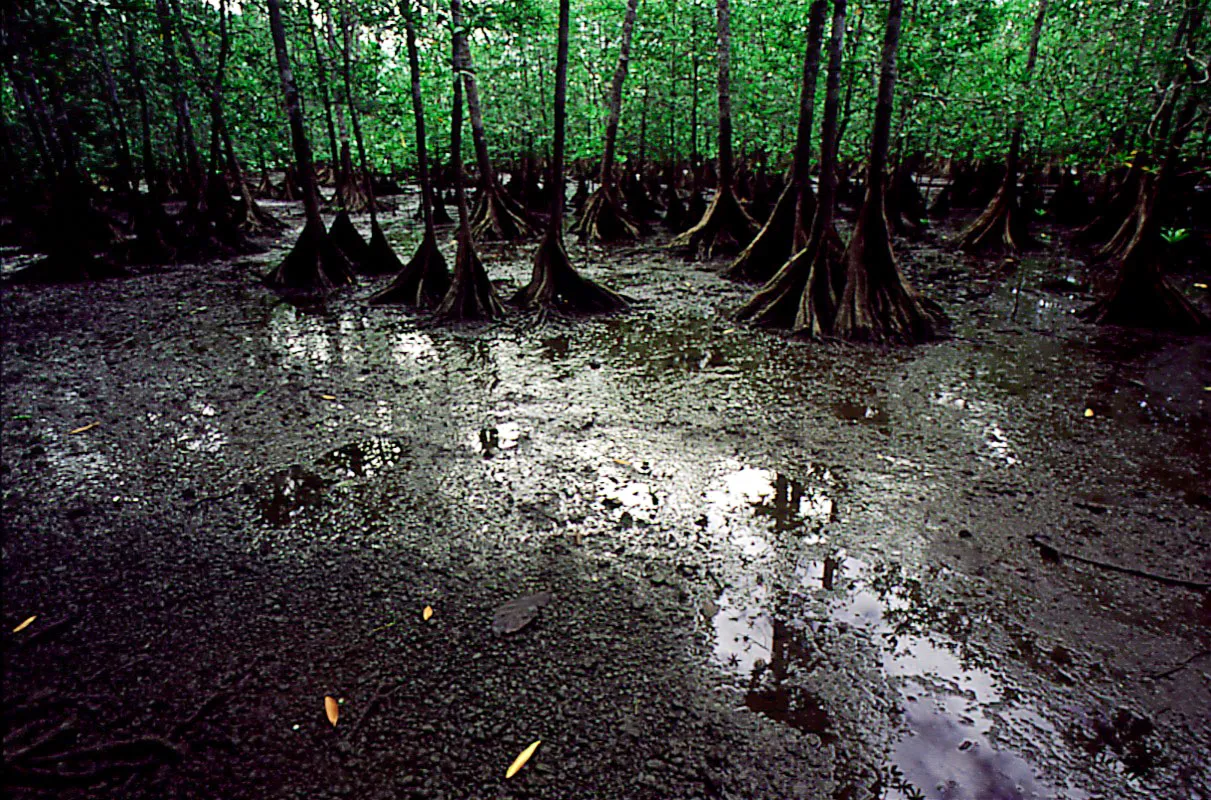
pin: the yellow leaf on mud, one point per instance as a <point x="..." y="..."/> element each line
<point x="427" y="614"/>
<point x="622" y="462"/>
<point x="25" y="624"/>
<point x="327" y="397"/>
<point x="521" y="760"/>
<point x="332" y="708"/>
<point x="84" y="428"/>
<point x="1089" y="412"/>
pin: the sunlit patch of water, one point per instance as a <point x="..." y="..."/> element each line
<point x="957" y="715"/>
<point x="981" y="418"/>
<point x="743" y="492"/>
<point x="408" y="347"/>
<point x="200" y="430"/>
<point x="492" y="439"/>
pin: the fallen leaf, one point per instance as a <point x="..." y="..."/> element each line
<point x="521" y="760"/>
<point x="1089" y="412"/>
<point x="517" y="614"/>
<point x="84" y="428"/>
<point x="332" y="708"/>
<point x="427" y="614"/>
<point x="729" y="330"/>
<point x="327" y="397"/>
<point x="25" y="624"/>
<point x="622" y="462"/>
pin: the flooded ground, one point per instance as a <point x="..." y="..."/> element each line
<point x="778" y="569"/>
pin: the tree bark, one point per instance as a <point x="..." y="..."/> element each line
<point x="785" y="232"/>
<point x="1002" y="227"/>
<point x="126" y="172"/>
<point x="321" y="62"/>
<point x="471" y="295"/>
<point x="180" y="104"/>
<point x="603" y="218"/>
<point x="314" y="263"/>
<point x="877" y="303"/>
<point x="801" y="295"/>
<point x="726" y="227"/>
<point x="425" y="279"/>
<point x="555" y="284"/>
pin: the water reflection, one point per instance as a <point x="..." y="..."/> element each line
<point x="956" y="711"/>
<point x="365" y="459"/>
<point x="980" y="418"/>
<point x="791" y="504"/>
<point x="291" y="490"/>
<point x="492" y="439"/>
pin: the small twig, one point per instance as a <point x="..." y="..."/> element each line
<point x="208" y="704"/>
<point x="149" y="747"/>
<point x="379" y="696"/>
<point x="116" y="669"/>
<point x="16" y="754"/>
<point x="1051" y="553"/>
<point x="52" y="630"/>
<point x="1013" y="315"/>
<point x="1179" y="667"/>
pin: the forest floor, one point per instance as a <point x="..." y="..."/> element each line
<point x="779" y="569"/>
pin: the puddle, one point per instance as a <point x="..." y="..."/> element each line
<point x="792" y="504"/>
<point x="364" y="459"/>
<point x="770" y="658"/>
<point x="695" y="347"/>
<point x="290" y="491"/>
<point x="629" y="501"/>
<point x="863" y="413"/>
<point x="491" y="440"/>
<point x="958" y="715"/>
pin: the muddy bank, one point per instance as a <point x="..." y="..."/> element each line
<point x="778" y="569"/>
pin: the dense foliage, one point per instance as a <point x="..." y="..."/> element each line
<point x="1101" y="63"/>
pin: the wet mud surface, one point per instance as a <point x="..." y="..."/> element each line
<point x="775" y="569"/>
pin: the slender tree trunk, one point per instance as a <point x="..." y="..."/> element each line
<point x="725" y="228"/>
<point x="425" y="280"/>
<point x="603" y="218"/>
<point x="155" y="184"/>
<point x="801" y="294"/>
<point x="1002" y="226"/>
<point x="847" y="106"/>
<point x="554" y="283"/>
<point x="694" y="156"/>
<point x="785" y="231"/>
<point x="219" y="208"/>
<point x="315" y="262"/>
<point x="877" y="303"/>
<point x="180" y="102"/>
<point x="620" y="76"/>
<point x="497" y="215"/>
<point x="724" y="60"/>
<point x="471" y="295"/>
<point x="126" y="173"/>
<point x="322" y="76"/>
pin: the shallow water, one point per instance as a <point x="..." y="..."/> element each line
<point x="841" y="530"/>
